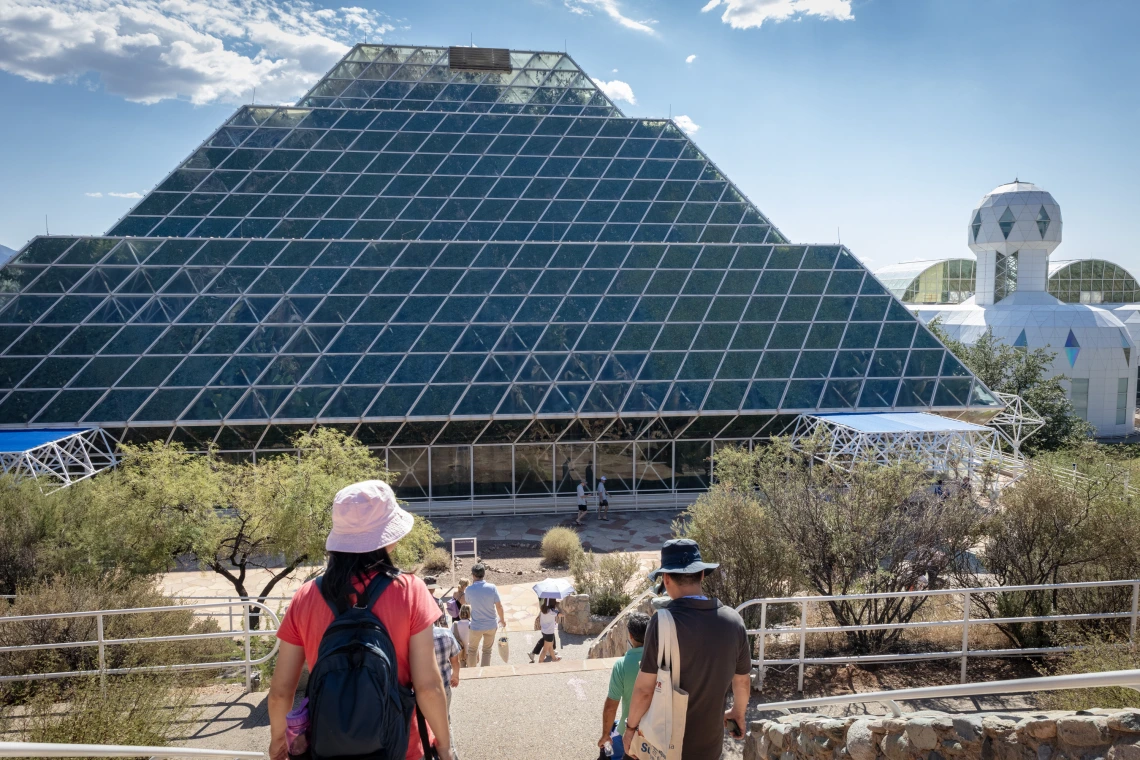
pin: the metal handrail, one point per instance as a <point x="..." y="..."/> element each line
<point x="43" y="749"/>
<point x="1126" y="678"/>
<point x="246" y="633"/>
<point x="963" y="653"/>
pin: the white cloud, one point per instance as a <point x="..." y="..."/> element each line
<point x="94" y="195"/>
<point x="613" y="10"/>
<point x="691" y="58"/>
<point x="687" y="125"/>
<point x="616" y="90"/>
<point x="202" y="50"/>
<point x="134" y="196"/>
<point x="746" y="14"/>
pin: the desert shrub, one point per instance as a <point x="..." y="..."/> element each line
<point x="733" y="528"/>
<point x="872" y="529"/>
<point x="68" y="594"/>
<point x="1052" y="529"/>
<point x="559" y="546"/>
<point x="1096" y="655"/>
<point x="611" y="581"/>
<point x="131" y="710"/>
<point x="437" y="560"/>
<point x="414" y="547"/>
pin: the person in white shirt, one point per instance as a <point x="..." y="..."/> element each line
<point x="548" y="619"/>
<point x="461" y="629"/>
<point x="603" y="500"/>
<point x="582" y="506"/>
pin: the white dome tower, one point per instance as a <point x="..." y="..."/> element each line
<point x="1012" y="231"/>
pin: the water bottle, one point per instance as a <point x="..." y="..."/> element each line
<point x="297" y="729"/>
<point x="608" y="748"/>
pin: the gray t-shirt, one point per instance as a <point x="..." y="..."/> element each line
<point x="482" y="597"/>
<point x="714" y="648"/>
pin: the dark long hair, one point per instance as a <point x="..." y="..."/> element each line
<point x="344" y="567"/>
<point x="549" y="605"/>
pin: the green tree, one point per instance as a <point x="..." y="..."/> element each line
<point x="875" y="529"/>
<point x="233" y="518"/>
<point x="1024" y="373"/>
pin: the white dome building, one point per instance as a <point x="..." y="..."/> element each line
<point x="1012" y="232"/>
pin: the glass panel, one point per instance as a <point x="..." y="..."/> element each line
<point x="492" y="467"/>
<point x="413" y="468"/>
<point x="654" y="466"/>
<point x="450" y="471"/>
<point x="615" y="461"/>
<point x="574" y="462"/>
<point x="534" y="469"/>
<point x="694" y="467"/>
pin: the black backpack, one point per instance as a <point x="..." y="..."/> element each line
<point x="357" y="707"/>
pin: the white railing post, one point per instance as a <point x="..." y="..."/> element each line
<point x="1135" y="609"/>
<point x="803" y="643"/>
<point x="248" y="658"/>
<point x="965" y="632"/>
<point x="760" y="670"/>
<point x="102" y="652"/>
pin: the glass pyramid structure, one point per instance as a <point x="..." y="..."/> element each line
<point x="477" y="265"/>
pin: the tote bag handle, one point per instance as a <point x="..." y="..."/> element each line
<point x="668" y="648"/>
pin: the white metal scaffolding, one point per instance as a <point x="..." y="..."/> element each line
<point x="953" y="447"/>
<point x="56" y="458"/>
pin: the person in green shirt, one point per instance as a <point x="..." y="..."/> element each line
<point x="622" y="678"/>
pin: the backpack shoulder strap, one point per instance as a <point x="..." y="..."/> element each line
<point x="377" y="586"/>
<point x="329" y="602"/>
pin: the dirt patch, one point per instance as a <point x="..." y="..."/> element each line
<point x="507" y="562"/>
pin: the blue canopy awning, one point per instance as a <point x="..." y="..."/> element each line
<point x="15" y="441"/>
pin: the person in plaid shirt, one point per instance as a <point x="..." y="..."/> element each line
<point x="447" y="655"/>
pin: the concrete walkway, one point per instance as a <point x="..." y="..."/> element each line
<point x="623" y="532"/>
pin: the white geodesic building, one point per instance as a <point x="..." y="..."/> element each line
<point x="1013" y="231"/>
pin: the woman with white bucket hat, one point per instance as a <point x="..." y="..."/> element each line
<point x="367" y="522"/>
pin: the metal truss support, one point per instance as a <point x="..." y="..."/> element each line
<point x="60" y="463"/>
<point x="956" y="453"/>
<point x="1016" y="422"/>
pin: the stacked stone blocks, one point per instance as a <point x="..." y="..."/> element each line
<point x="1086" y="735"/>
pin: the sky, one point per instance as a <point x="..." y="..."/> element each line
<point x="880" y="123"/>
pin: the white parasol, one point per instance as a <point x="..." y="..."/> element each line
<point x="554" y="588"/>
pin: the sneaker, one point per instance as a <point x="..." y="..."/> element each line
<point x="530" y="655"/>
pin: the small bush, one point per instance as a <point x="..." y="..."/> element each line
<point x="610" y="581"/>
<point x="437" y="560"/>
<point x="559" y="546"/>
<point x="1097" y="655"/>
<point x="412" y="548"/>
<point x="132" y="710"/>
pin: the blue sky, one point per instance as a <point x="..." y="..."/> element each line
<point x="879" y="121"/>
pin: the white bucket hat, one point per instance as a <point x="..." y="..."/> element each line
<point x="366" y="517"/>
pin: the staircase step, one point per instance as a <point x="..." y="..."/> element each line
<point x="536" y="669"/>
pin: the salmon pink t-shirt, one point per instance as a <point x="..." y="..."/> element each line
<point x="405" y="608"/>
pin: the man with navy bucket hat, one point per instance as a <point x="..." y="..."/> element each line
<point x="714" y="650"/>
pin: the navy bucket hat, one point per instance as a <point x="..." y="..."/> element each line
<point x="681" y="555"/>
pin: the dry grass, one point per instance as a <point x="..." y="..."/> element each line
<point x="559" y="546"/>
<point x="438" y="560"/>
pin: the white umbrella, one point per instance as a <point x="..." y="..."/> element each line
<point x="554" y="588"/>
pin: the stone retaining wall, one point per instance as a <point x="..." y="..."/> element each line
<point x="1091" y="735"/>
<point x="614" y="640"/>
<point x="576" y="617"/>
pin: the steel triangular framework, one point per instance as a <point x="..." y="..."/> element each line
<point x="432" y="255"/>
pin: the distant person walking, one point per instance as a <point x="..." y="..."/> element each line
<point x="714" y="657"/>
<point x="603" y="500"/>
<point x="483" y="598"/>
<point x="447" y="657"/>
<point x="361" y="585"/>
<point x="461" y="629"/>
<point x="583" y="507"/>
<point x="622" y="678"/>
<point x="548" y="619"/>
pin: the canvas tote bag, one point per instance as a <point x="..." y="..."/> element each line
<point x="661" y="732"/>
